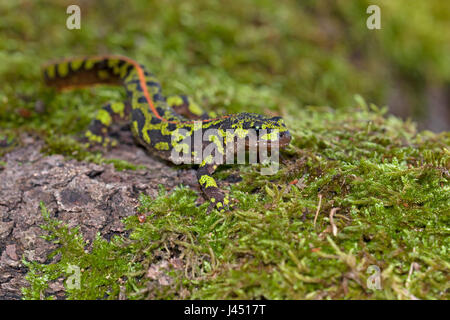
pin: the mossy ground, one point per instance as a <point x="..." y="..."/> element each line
<point x="390" y="182"/>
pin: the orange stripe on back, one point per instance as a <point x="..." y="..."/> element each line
<point x="142" y="83"/>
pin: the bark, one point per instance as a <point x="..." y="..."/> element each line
<point x="93" y="197"/>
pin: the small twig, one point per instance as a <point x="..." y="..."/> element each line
<point x="411" y="268"/>
<point x="414" y="266"/>
<point x="342" y="217"/>
<point x="318" y="209"/>
<point x="333" y="225"/>
<point x="213" y="257"/>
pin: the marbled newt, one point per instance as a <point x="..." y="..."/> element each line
<point x="160" y="123"/>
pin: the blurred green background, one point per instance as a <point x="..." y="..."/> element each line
<point x="317" y="53"/>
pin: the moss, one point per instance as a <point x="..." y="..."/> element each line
<point x="71" y="148"/>
<point x="8" y="141"/>
<point x="251" y="56"/>
<point x="100" y="271"/>
<point x="391" y="215"/>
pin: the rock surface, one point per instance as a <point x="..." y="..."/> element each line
<point x="93" y="197"/>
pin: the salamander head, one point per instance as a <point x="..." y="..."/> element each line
<point x="266" y="129"/>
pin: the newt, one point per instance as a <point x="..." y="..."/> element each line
<point x="163" y="124"/>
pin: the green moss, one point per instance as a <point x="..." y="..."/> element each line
<point x="390" y="216"/>
<point x="253" y="55"/>
<point x="71" y="148"/>
<point x="121" y="165"/>
<point x="101" y="271"/>
<point x="8" y="141"/>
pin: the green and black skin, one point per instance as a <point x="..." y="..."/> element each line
<point x="154" y="118"/>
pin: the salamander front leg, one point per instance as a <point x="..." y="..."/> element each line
<point x="209" y="187"/>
